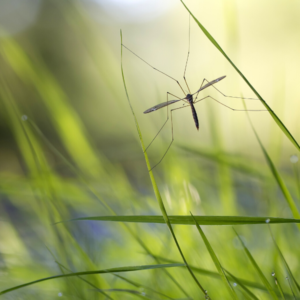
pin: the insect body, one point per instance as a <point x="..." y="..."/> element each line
<point x="189" y="98"/>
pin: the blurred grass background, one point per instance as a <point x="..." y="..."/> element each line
<point x="69" y="148"/>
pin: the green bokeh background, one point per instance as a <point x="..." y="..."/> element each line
<point x="69" y="147"/>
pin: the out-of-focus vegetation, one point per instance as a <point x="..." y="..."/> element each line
<point x="69" y="149"/>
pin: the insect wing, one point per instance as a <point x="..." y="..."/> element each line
<point x="159" y="106"/>
<point x="210" y="83"/>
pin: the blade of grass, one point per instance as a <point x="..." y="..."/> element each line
<point x="154" y="185"/>
<point x="106" y="271"/>
<point x="132" y="292"/>
<point x="31" y="158"/>
<point x="216" y="275"/>
<point x="288" y="279"/>
<point x="279" y="287"/>
<point x="102" y="200"/>
<point x="238" y="282"/>
<point x="67" y="122"/>
<point x="142" y="286"/>
<point x="273" y="115"/>
<point x="257" y="268"/>
<point x="188" y="220"/>
<point x="42" y="180"/>
<point x="276" y="175"/>
<point x="284" y="261"/>
<point x="216" y="261"/>
<point x="62" y="268"/>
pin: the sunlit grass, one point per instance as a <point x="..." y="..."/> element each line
<point x="73" y="217"/>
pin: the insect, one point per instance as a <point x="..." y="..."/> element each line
<point x="189" y="100"/>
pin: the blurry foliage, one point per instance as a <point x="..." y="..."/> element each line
<point x="69" y="150"/>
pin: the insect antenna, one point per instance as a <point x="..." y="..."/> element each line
<point x="188" y="54"/>
<point x="155" y="68"/>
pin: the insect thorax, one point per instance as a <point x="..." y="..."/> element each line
<point x="189" y="98"/>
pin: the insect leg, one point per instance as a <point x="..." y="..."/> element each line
<point x="172" y="137"/>
<point x="155" y="68"/>
<point x="207" y="97"/>
<point x="188" y="54"/>
<point x="199" y="89"/>
<point x="164" y="122"/>
<point x="230" y="96"/>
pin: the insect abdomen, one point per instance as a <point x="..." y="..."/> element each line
<point x="195" y="115"/>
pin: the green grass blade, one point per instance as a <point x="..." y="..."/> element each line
<point x="277" y="177"/>
<point x="142" y="286"/>
<point x="67" y="122"/>
<point x="188" y="220"/>
<point x="273" y="115"/>
<point x="212" y="274"/>
<point x="41" y="180"/>
<point x="120" y="291"/>
<point x="106" y="271"/>
<point x="216" y="261"/>
<point x="288" y="279"/>
<point x="284" y="261"/>
<point x="33" y="159"/>
<point x="257" y="268"/>
<point x="279" y="287"/>
<point x="62" y="268"/>
<point x="239" y="283"/>
<point x="100" y="198"/>
<point x="154" y="185"/>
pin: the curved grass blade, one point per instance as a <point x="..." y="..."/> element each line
<point x="288" y="280"/>
<point x="154" y="185"/>
<point x="212" y="274"/>
<point x="100" y="198"/>
<point x="62" y="113"/>
<point x="112" y="270"/>
<point x="279" y="287"/>
<point x="238" y="282"/>
<point x="137" y="285"/>
<point x="257" y="268"/>
<point x="133" y="292"/>
<point x="188" y="220"/>
<point x="62" y="268"/>
<point x="216" y="261"/>
<point x="273" y="115"/>
<point x="284" y="261"/>
<point x="277" y="177"/>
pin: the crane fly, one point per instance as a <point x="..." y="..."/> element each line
<point x="188" y="98"/>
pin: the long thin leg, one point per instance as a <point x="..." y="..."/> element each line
<point x="207" y="97"/>
<point x="164" y="122"/>
<point x="227" y="95"/>
<point x="155" y="68"/>
<point x="174" y="96"/>
<point x="172" y="136"/>
<point x="229" y="106"/>
<point x="199" y="89"/>
<point x="188" y="54"/>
